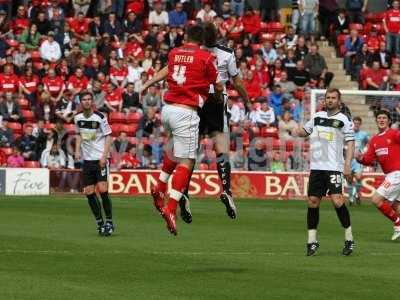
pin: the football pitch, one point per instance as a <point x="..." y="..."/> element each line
<point x="49" y="249"/>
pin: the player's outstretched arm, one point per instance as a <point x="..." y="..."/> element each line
<point x="159" y="76"/>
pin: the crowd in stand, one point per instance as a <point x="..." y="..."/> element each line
<point x="52" y="50"/>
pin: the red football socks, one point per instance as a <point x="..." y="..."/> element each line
<point x="180" y="181"/>
<point x="389" y="212"/>
<point x="166" y="171"/>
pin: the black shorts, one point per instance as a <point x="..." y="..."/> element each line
<point x="321" y="183"/>
<point x="213" y="117"/>
<point x="92" y="173"/>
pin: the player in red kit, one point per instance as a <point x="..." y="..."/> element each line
<point x="384" y="148"/>
<point x="189" y="73"/>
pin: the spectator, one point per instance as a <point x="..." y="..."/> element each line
<point x="95" y="28"/>
<point x="146" y="159"/>
<point x="301" y="49"/>
<point x="158" y="16"/>
<point x="134" y="71"/>
<point x="10" y="109"/>
<point x="129" y="159"/>
<point x="362" y="61"/>
<point x="232" y="28"/>
<point x="375" y="76"/>
<point x="237" y="7"/>
<point x="152" y="99"/>
<point x="353" y="45"/>
<point x="149" y="124"/>
<point x="77" y="83"/>
<point x="287" y="126"/>
<point x="50" y="50"/>
<point x="113" y="97"/>
<point x="88" y="43"/>
<point x="226" y="10"/>
<point x="121" y="144"/>
<point x="341" y="24"/>
<point x="9" y="82"/>
<point x="173" y="38"/>
<point x="177" y="17"/>
<point x="20" y="57"/>
<point x="28" y="84"/>
<point x="269" y="53"/>
<point x="81" y="6"/>
<point x="264" y="116"/>
<point x="21" y="21"/>
<point x="132" y="24"/>
<point x="139" y="83"/>
<point x="53" y="158"/>
<point x="373" y="40"/>
<point x="288" y="87"/>
<point x="6" y="134"/>
<point x="206" y="14"/>
<point x="45" y="108"/>
<point x="66" y="108"/>
<point x="42" y="23"/>
<point x="15" y="160"/>
<point x="27" y="143"/>
<point x="356" y="9"/>
<point x="327" y="11"/>
<point x="383" y="56"/>
<point x="309" y="12"/>
<point x="277" y="164"/>
<point x="236" y="114"/>
<point x="289" y="63"/>
<point x="54" y="11"/>
<point x="257" y="159"/>
<point x="99" y="97"/>
<point x="275" y="99"/>
<point x="130" y="100"/>
<point x="54" y="85"/>
<point x="252" y="87"/>
<point x="315" y="64"/>
<point x="295" y="14"/>
<point x="391" y="24"/>
<point x="112" y="26"/>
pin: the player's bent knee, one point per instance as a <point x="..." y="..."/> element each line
<point x="102" y="187"/>
<point x="88" y="190"/>
<point x="313" y="202"/>
<point x="337" y="200"/>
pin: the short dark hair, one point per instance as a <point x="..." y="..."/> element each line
<point x="333" y="90"/>
<point x="210" y="34"/>
<point x="357" y="119"/>
<point x="196" y="34"/>
<point x="383" y="112"/>
<point x="85" y="93"/>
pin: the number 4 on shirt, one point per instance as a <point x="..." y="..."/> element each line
<point x="179" y="74"/>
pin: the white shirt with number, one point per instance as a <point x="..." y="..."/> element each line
<point x="93" y="131"/>
<point x="328" y="135"/>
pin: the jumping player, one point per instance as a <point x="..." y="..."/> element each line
<point x="189" y="73"/>
<point x="361" y="140"/>
<point x="329" y="132"/>
<point x="384" y="148"/>
<point x="93" y="146"/>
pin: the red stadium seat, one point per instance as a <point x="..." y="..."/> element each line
<point x="255" y="130"/>
<point x="31" y="164"/>
<point x="12" y="43"/>
<point x="116" y="128"/>
<point x="133" y="117"/>
<point x="269" y="132"/>
<point x="7" y="150"/>
<point x="28" y="115"/>
<point x="263" y="27"/>
<point x="375" y="17"/>
<point x="70" y="128"/>
<point x="341" y="38"/>
<point x="116" y="117"/>
<point x="35" y="55"/>
<point x="213" y="166"/>
<point x="289" y="145"/>
<point x="16" y="127"/>
<point x="24" y="103"/>
<point x="356" y="26"/>
<point x="275" y="27"/>
<point x="342" y="50"/>
<point x="129" y="129"/>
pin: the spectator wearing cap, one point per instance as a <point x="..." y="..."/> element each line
<point x="177" y="17"/>
<point x="50" y="50"/>
<point x="81" y="6"/>
<point x="30" y="37"/>
<point x="158" y="16"/>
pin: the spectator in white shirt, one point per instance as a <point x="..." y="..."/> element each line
<point x="134" y="71"/>
<point x="50" y="50"/>
<point x="53" y="158"/>
<point x="265" y="115"/>
<point x="206" y="14"/>
<point x="158" y="16"/>
<point x="236" y="114"/>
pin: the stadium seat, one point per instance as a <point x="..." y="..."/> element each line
<point x="269" y="132"/>
<point x="24" y="103"/>
<point x="203" y="167"/>
<point x="16" y="127"/>
<point x="70" y="128"/>
<point x="133" y="117"/>
<point x="342" y="50"/>
<point x="7" y="150"/>
<point x="275" y="27"/>
<point x="129" y="129"/>
<point x="256" y="47"/>
<point x="341" y="38"/>
<point x="263" y="27"/>
<point x="289" y="145"/>
<point x="35" y="55"/>
<point x="31" y="164"/>
<point x="277" y="144"/>
<point x="12" y="43"/>
<point x="28" y="115"/>
<point x="116" y="117"/>
<point x="255" y="130"/>
<point x="213" y="166"/>
<point x="116" y="128"/>
<point x="357" y="26"/>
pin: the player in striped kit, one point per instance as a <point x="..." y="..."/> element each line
<point x="329" y="132"/>
<point x="93" y="144"/>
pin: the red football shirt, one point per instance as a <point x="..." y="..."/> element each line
<point x="191" y="70"/>
<point x="377" y="76"/>
<point x="80" y="27"/>
<point x="29" y="83"/>
<point x="119" y="74"/>
<point x="19" y="24"/>
<point x="53" y="85"/>
<point x="9" y="83"/>
<point x="384" y="148"/>
<point x="114" y="98"/>
<point x="392" y="18"/>
<point x="77" y="83"/>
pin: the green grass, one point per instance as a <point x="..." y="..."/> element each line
<point x="49" y="250"/>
